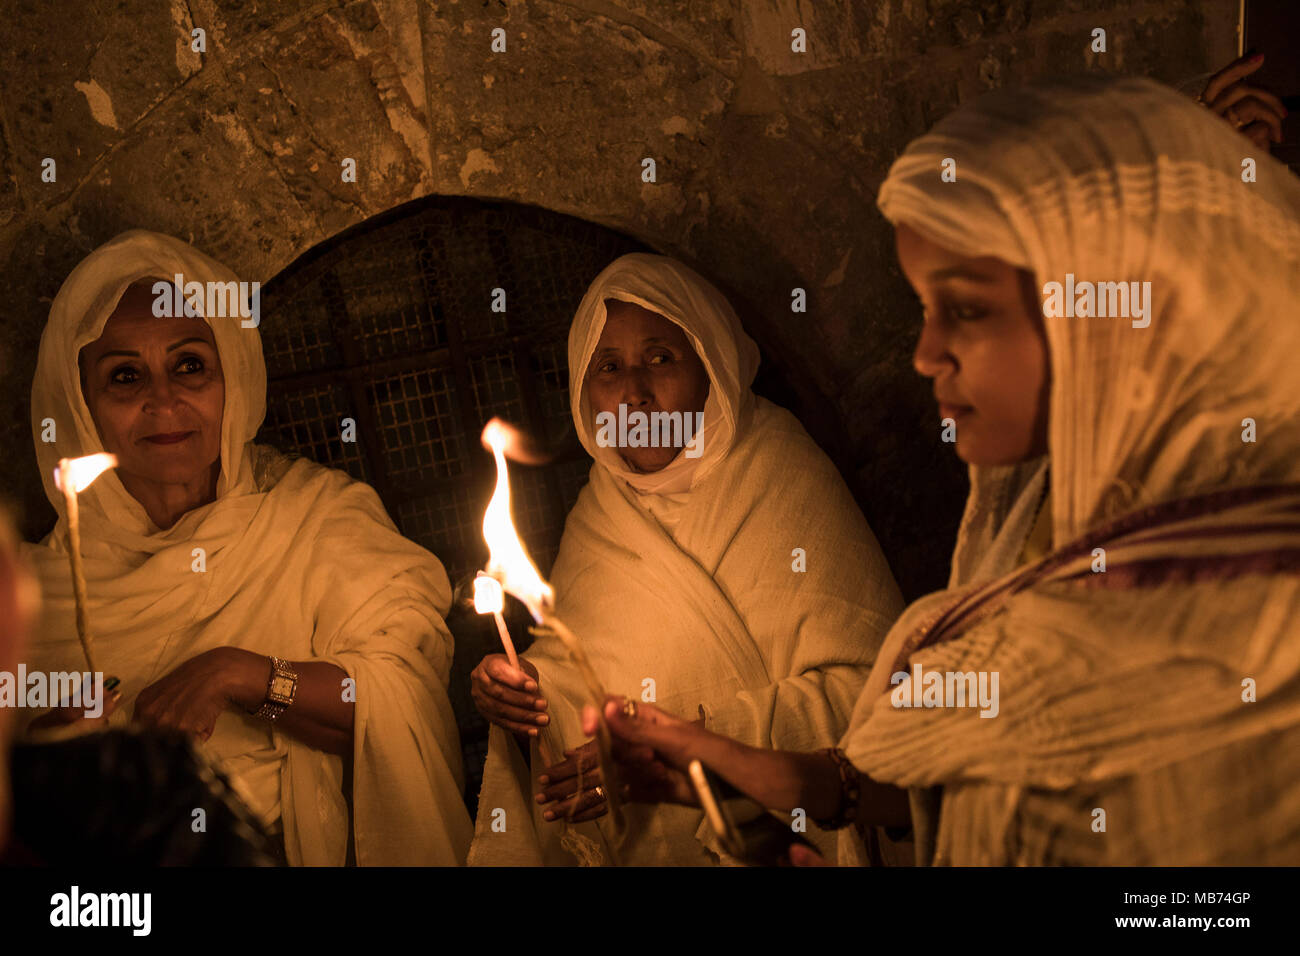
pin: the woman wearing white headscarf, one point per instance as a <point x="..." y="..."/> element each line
<point x="1149" y="692"/>
<point x="209" y="559"/>
<point x="734" y="581"/>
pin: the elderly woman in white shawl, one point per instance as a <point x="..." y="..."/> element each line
<point x="267" y="605"/>
<point x="1139" y="599"/>
<point x="733" y="581"/>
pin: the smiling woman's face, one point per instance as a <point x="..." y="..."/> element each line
<point x="645" y="361"/>
<point x="983" y="344"/>
<point x="155" y="389"/>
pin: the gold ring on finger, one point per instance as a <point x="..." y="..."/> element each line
<point x="629" y="708"/>
<point x="600" y="791"/>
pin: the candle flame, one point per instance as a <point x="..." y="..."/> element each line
<point x="508" y="562"/>
<point x="82" y="471"/>
<point x="488" y="596"/>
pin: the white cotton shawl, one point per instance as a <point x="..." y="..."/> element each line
<point x="711" y="614"/>
<point x="1118" y="687"/>
<point x="729" y="356"/>
<point x="302" y="562"/>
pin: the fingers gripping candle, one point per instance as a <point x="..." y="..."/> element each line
<point x="509" y="564"/>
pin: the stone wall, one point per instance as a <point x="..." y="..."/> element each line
<point x="767" y="161"/>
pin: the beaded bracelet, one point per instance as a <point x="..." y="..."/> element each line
<point x="850" y="792"/>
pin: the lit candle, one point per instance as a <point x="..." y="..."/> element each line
<point x="509" y="564"/>
<point x="490" y="599"/>
<point x="72" y="476"/>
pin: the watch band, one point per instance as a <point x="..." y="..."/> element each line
<point x="281" y="688"/>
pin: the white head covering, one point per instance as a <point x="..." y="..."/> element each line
<point x="1128" y="671"/>
<point x="1125" y="180"/>
<point x="77" y="317"/>
<point x="702" y="601"/>
<point x="682" y="296"/>
<point x="298" y="561"/>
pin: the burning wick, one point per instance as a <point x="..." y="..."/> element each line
<point x="489" y="598"/>
<point x="508" y="562"/>
<point x="72" y="476"/>
<point x="510" y="568"/>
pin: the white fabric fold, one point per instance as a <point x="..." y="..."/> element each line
<point x="1111" y="692"/>
<point x="682" y="296"/>
<point x="302" y="562"/>
<point x="707" y="608"/>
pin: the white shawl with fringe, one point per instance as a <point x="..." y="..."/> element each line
<point x="1120" y="691"/>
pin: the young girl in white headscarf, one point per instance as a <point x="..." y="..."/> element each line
<point x="217" y="567"/>
<point x="734" y="581"/>
<point x="1136" y="590"/>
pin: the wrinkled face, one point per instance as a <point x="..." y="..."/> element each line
<point x="647" y="362"/>
<point x="155" y="390"/>
<point x="983" y="345"/>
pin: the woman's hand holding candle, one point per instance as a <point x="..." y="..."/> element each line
<point x="508" y="697"/>
<point x="569" y="787"/>
<point x="573" y="789"/>
<point x="653" y="750"/>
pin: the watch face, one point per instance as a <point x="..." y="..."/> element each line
<point x="282" y="687"/>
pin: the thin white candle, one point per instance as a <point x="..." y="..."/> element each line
<point x="509" y="564"/>
<point x="489" y="598"/>
<point x="72" y="476"/>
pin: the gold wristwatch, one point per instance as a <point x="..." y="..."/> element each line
<point x="279" y="690"/>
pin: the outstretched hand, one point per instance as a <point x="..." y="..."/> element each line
<point x="574" y="788"/>
<point x="652" y="749"/>
<point x="1256" y="113"/>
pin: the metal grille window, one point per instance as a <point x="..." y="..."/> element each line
<point x="390" y="324"/>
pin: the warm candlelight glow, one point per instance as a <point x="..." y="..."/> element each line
<point x="488" y="596"/>
<point x="508" y="562"/>
<point x="84" y="470"/>
<point x="72" y="476"/>
<point x="510" y="566"/>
